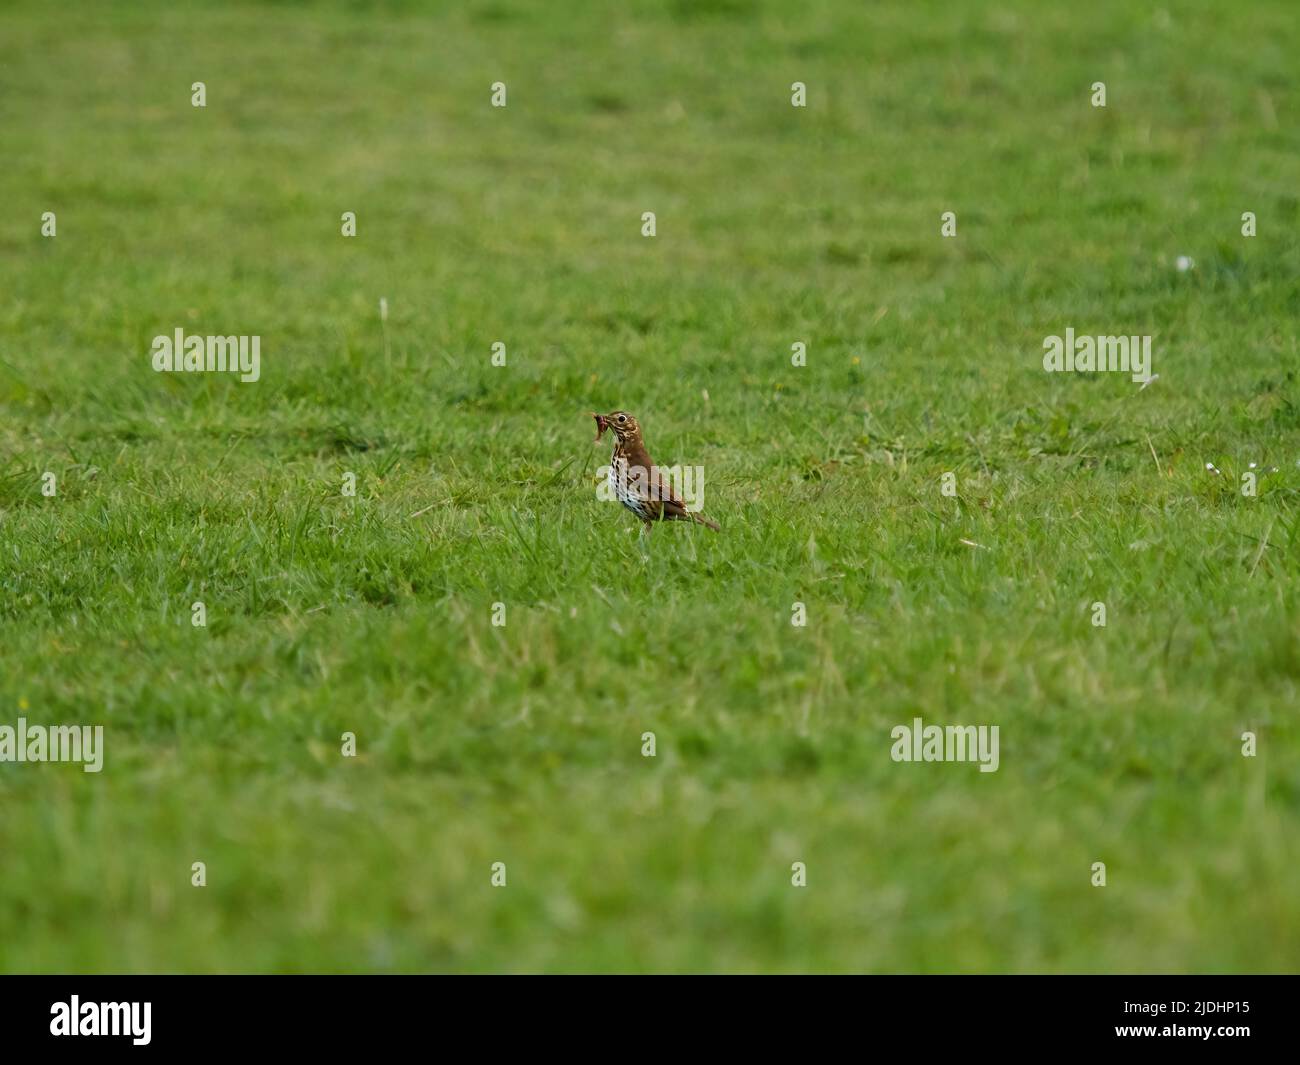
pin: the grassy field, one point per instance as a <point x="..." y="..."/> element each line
<point x="476" y="484"/>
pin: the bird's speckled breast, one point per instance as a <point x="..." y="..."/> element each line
<point x="621" y="488"/>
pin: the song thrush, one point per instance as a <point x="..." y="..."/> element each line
<point x="635" y="480"/>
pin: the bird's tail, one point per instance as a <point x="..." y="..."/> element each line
<point x="705" y="521"/>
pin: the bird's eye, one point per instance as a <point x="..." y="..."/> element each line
<point x="621" y="419"/>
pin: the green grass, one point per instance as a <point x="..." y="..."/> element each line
<point x="477" y="484"/>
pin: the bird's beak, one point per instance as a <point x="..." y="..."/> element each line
<point x="601" y="424"/>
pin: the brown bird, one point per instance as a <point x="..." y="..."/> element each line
<point x="635" y="480"/>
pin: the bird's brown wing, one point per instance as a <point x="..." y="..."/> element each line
<point x="655" y="488"/>
<point x="660" y="500"/>
<point x="663" y="501"/>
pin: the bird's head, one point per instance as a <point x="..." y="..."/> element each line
<point x="625" y="427"/>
